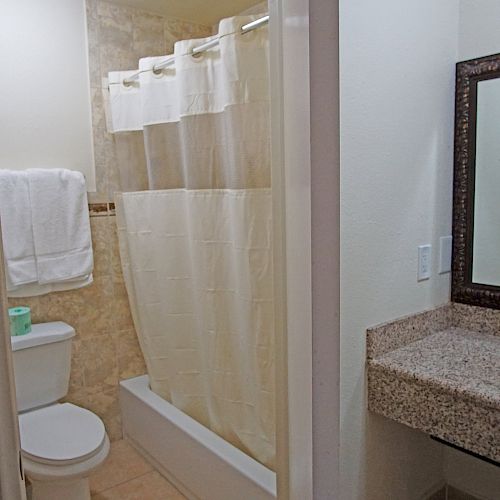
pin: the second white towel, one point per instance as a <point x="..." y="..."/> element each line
<point x="17" y="232"/>
<point x="61" y="225"/>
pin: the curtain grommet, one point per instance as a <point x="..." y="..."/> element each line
<point x="158" y="72"/>
<point x="128" y="85"/>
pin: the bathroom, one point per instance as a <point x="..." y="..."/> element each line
<point x="360" y="148"/>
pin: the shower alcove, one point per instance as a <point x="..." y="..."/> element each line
<point x="195" y="228"/>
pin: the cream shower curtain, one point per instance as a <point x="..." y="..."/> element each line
<point x="197" y="246"/>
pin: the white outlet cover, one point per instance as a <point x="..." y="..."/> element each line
<point x="424" y="262"/>
<point x="445" y="246"/>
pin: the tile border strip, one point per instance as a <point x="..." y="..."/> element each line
<point x="101" y="209"/>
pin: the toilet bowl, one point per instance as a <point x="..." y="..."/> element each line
<point x="61" y="443"/>
<point x="60" y="446"/>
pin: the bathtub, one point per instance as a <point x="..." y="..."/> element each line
<point x="202" y="465"/>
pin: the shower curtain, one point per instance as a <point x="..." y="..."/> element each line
<point x="196" y="246"/>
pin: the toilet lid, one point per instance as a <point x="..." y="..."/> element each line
<point x="61" y="432"/>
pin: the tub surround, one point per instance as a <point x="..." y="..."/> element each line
<point x="438" y="371"/>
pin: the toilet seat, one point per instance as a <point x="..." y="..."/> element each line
<point x="64" y="472"/>
<point x="61" y="434"/>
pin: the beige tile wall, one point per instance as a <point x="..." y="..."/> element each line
<point x="118" y="37"/>
<point x="106" y="349"/>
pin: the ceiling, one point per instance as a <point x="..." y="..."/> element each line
<point x="199" y="11"/>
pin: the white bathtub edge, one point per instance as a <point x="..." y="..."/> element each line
<point x="252" y="471"/>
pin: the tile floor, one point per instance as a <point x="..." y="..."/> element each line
<point x="127" y="476"/>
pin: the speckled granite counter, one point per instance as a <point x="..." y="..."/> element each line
<point x="429" y="374"/>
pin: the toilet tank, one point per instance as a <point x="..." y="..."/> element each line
<point x="42" y="364"/>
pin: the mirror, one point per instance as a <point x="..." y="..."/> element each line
<point x="486" y="236"/>
<point x="476" y="215"/>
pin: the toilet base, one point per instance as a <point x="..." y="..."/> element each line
<point x="63" y="481"/>
<point x="74" y="489"/>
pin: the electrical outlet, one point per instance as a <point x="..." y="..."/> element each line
<point x="424" y="262"/>
<point x="445" y="244"/>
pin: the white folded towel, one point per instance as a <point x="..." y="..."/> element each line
<point x="61" y="225"/>
<point x="15" y="213"/>
<point x="34" y="289"/>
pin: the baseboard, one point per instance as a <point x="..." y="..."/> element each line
<point x="448" y="492"/>
<point x="457" y="494"/>
<point x="436" y="493"/>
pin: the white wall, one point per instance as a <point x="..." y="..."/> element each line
<point x="397" y="107"/>
<point x="44" y="88"/>
<point x="325" y="242"/>
<point x="478" y="30"/>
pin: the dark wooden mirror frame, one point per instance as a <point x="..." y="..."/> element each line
<point x="468" y="74"/>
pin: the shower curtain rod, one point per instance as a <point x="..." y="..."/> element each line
<point x="198" y="50"/>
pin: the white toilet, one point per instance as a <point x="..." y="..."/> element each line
<point x="61" y="444"/>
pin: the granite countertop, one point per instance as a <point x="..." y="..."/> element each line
<point x="456" y="360"/>
<point x="432" y="374"/>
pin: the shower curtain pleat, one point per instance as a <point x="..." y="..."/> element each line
<point x="196" y="247"/>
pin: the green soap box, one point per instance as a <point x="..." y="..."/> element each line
<point x="20" y="321"/>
